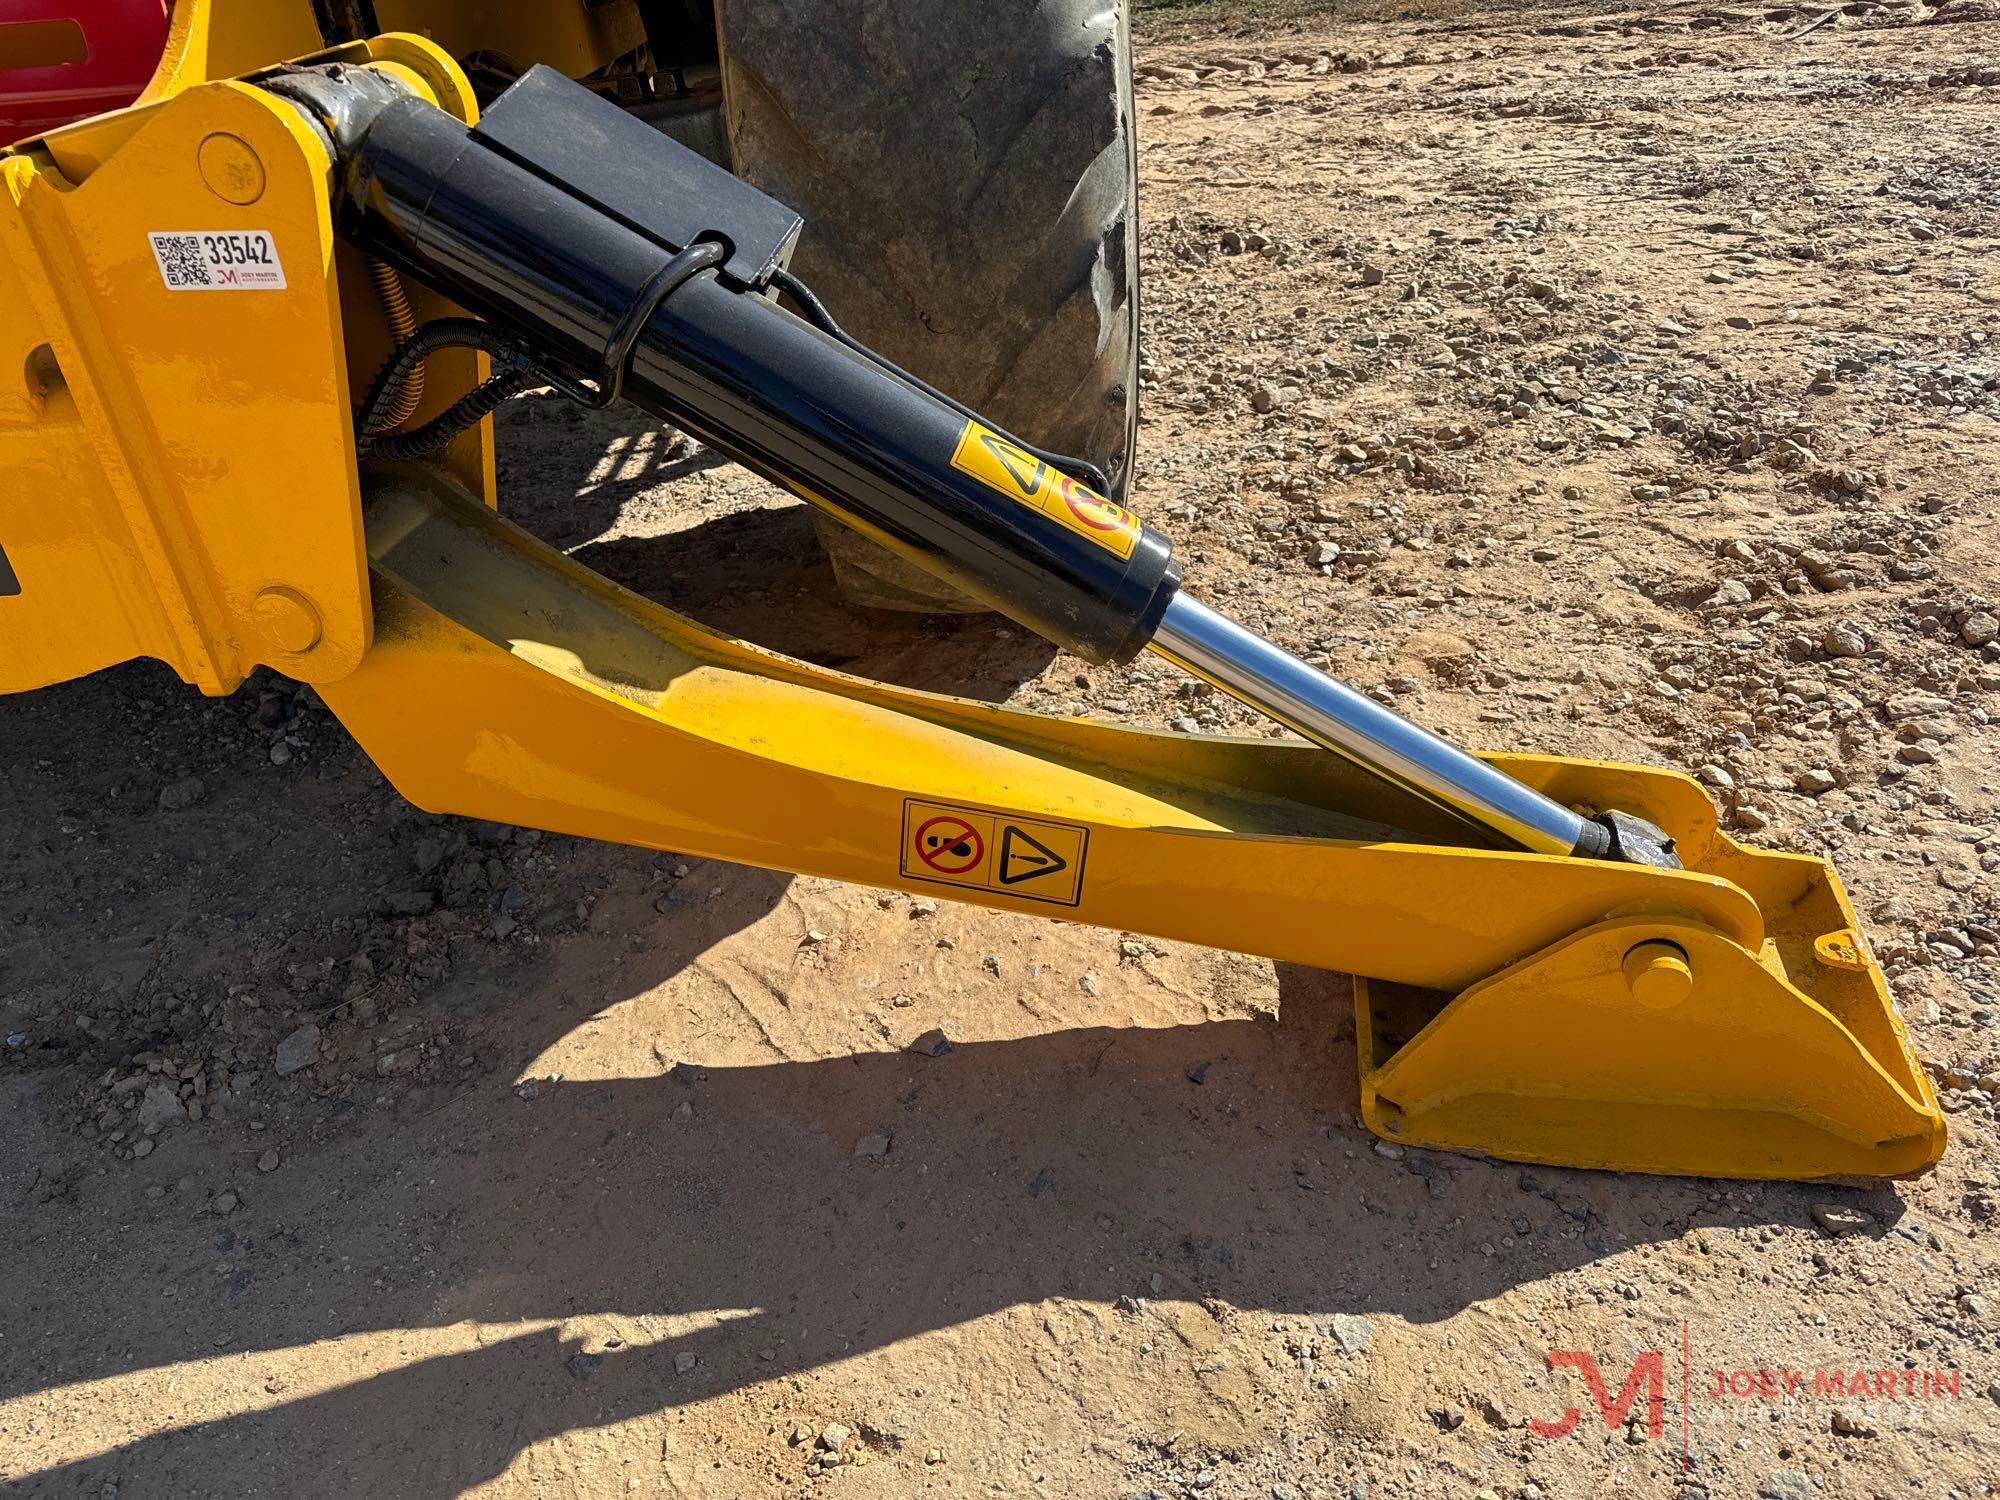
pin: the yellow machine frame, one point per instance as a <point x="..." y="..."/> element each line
<point x="183" y="486"/>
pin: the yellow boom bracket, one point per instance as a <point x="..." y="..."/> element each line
<point x="113" y="386"/>
<point x="1720" y="1020"/>
<point x="180" y="477"/>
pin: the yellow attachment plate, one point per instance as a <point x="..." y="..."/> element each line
<point x="174" y="430"/>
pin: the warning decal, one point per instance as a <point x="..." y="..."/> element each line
<point x="1019" y="475"/>
<point x="1024" y="857"/>
<point x="949" y="845"/>
<point x="989" y="851"/>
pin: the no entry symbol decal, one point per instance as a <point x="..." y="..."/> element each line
<point x="950" y="845"/>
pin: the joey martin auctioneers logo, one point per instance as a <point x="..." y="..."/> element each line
<point x="1850" y="1398"/>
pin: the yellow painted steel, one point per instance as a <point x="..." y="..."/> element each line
<point x="1750" y="1069"/>
<point x="623" y="721"/>
<point x="180" y="483"/>
<point x="209" y="39"/>
<point x="508" y="682"/>
<point x="179" y="465"/>
<point x="150" y="437"/>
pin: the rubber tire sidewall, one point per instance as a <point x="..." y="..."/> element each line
<point x="967" y="170"/>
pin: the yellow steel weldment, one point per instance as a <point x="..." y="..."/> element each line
<point x="1724" y="1018"/>
<point x="1531" y="1007"/>
<point x="174" y="434"/>
<point x="160" y="415"/>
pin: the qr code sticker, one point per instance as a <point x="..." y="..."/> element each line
<point x="182" y="265"/>
<point x="218" y="260"/>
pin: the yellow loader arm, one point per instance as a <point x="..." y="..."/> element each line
<point x="1565" y="961"/>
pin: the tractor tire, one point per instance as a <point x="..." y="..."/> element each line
<point x="967" y="171"/>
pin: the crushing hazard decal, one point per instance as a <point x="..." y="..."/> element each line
<point x="1029" y="857"/>
<point x="1019" y="475"/>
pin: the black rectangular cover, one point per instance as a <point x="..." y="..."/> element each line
<point x="560" y="130"/>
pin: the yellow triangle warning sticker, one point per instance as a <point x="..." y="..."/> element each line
<point x="1016" y="473"/>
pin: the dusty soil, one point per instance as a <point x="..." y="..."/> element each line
<point x="1615" y="384"/>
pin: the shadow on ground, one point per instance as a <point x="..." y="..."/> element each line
<point x="1078" y="1165"/>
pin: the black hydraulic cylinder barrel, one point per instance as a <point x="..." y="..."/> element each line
<point x="762" y="386"/>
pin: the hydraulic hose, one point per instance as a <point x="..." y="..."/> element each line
<point x="402" y="321"/>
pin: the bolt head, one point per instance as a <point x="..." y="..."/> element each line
<point x="288" y="619"/>
<point x="1658" y="975"/>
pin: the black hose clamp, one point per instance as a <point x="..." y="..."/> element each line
<point x="662" y="284"/>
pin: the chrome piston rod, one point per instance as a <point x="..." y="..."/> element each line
<point x="1329" y="713"/>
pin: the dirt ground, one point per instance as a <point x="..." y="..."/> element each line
<point x="1617" y="384"/>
